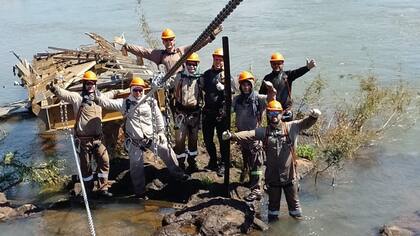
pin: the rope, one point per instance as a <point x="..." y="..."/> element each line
<point x="64" y="121"/>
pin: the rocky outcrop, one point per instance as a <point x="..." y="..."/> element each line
<point x="405" y="225"/>
<point x="217" y="216"/>
<point x="10" y="212"/>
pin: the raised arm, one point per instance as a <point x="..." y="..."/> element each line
<point x="110" y="104"/>
<point x="67" y="96"/>
<point x="148" y="53"/>
<point x="306" y="122"/>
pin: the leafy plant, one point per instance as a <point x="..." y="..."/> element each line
<point x="306" y="151"/>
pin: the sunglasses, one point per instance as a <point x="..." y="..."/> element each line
<point x="277" y="62"/>
<point x="273" y="113"/>
<point x="90" y="83"/>
<point x="168" y="40"/>
<point x="137" y="90"/>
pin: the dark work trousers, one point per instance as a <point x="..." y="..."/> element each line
<point x="209" y="124"/>
<point x="292" y="199"/>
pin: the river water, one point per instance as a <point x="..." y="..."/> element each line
<point x="347" y="38"/>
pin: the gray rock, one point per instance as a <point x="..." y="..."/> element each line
<point x="217" y="216"/>
<point x="393" y="230"/>
<point x="7" y="213"/>
<point x="3" y="200"/>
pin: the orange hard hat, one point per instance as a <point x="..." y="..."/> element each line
<point x="168" y="34"/>
<point x="89" y="76"/>
<point x="137" y="81"/>
<point x="218" y="52"/>
<point x="194" y="57"/>
<point x="274" y="106"/>
<point x="276" y="57"/>
<point x="246" y="76"/>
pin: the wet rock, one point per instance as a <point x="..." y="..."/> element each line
<point x="7" y="213"/>
<point x="3" y="200"/>
<point x="393" y="230"/>
<point x="217" y="216"/>
<point x="408" y="224"/>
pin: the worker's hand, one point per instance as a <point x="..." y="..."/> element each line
<point x="270" y="87"/>
<point x="120" y="40"/>
<point x="226" y="135"/>
<point x="220" y="86"/>
<point x="315" y="113"/>
<point x="218" y="30"/>
<point x="51" y="87"/>
<point x="161" y="138"/>
<point x="310" y="63"/>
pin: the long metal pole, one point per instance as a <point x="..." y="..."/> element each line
<point x="228" y="105"/>
<point x="79" y="172"/>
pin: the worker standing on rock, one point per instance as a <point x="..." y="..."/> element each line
<point x="282" y="81"/>
<point x="188" y="100"/>
<point x="140" y="134"/>
<point x="214" y="114"/>
<point x="279" y="144"/>
<point x="249" y="107"/>
<point x="88" y="131"/>
<point x="168" y="56"/>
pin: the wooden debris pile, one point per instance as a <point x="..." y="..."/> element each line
<point x="66" y="67"/>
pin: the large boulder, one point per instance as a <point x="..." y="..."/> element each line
<point x="217" y="216"/>
<point x="3" y="200"/>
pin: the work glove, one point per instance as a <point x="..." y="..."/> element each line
<point x="161" y="138"/>
<point x="218" y="30"/>
<point x="315" y="113"/>
<point x="120" y="40"/>
<point x="220" y="86"/>
<point x="310" y="63"/>
<point x="51" y="87"/>
<point x="226" y="135"/>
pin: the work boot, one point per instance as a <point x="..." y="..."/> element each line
<point x="180" y="176"/>
<point x="192" y="164"/>
<point x="273" y="218"/>
<point x="140" y="196"/>
<point x="89" y="188"/>
<point x="211" y="166"/>
<point x="296" y="216"/>
<point x="181" y="163"/>
<point x="104" y="193"/>
<point x="221" y="170"/>
<point x="255" y="194"/>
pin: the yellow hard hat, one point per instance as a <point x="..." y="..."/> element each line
<point x="246" y="76"/>
<point x="218" y="52"/>
<point x="168" y="34"/>
<point x="89" y="76"/>
<point x="276" y="57"/>
<point x="274" y="106"/>
<point x="194" y="57"/>
<point x="137" y="81"/>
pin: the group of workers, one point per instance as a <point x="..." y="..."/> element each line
<point x="197" y="97"/>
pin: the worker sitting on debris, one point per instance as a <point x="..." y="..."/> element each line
<point x="188" y="98"/>
<point x="168" y="56"/>
<point x="279" y="144"/>
<point x="139" y="125"/>
<point x="214" y="114"/>
<point x="282" y="81"/>
<point x="249" y="107"/>
<point x="88" y="131"/>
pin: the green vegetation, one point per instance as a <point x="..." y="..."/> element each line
<point x="13" y="171"/>
<point x="346" y="127"/>
<point x="306" y="151"/>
